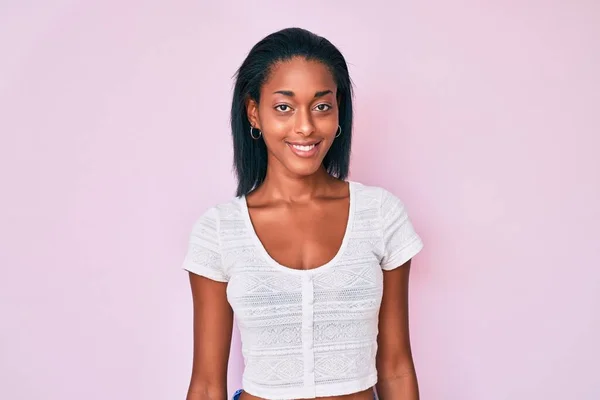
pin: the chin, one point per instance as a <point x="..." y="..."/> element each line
<point x="303" y="168"/>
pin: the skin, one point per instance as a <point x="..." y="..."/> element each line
<point x="298" y="104"/>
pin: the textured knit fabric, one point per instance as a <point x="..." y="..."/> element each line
<point x="306" y="333"/>
<point x="238" y="394"/>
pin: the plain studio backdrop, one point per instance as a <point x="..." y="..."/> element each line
<point x="482" y="116"/>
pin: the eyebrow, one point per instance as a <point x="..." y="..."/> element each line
<point x="292" y="94"/>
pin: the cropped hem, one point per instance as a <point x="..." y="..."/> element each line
<point x="311" y="392"/>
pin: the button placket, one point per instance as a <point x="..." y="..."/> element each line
<point x="308" y="331"/>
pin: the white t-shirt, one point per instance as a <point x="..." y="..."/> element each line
<point x="306" y="333"/>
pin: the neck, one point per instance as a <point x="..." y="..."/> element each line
<point x="283" y="186"/>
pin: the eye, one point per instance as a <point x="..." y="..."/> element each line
<point x="323" y="107"/>
<point x="283" y="108"/>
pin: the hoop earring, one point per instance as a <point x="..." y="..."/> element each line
<point x="252" y="133"/>
<point x="339" y="132"/>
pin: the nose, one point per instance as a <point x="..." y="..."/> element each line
<point x="304" y="125"/>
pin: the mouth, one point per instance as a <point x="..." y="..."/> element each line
<point x="305" y="149"/>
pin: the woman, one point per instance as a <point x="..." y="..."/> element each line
<point x="315" y="267"/>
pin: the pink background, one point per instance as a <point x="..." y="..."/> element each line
<point x="484" y="119"/>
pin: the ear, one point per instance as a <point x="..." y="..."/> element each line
<point x="252" y="113"/>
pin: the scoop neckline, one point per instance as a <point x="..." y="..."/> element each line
<point x="312" y="271"/>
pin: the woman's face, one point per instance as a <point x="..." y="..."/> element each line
<point x="297" y="114"/>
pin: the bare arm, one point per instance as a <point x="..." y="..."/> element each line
<point x="213" y="323"/>
<point x="397" y="378"/>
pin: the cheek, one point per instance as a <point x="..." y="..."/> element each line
<point x="279" y="126"/>
<point x="328" y="125"/>
<point x="274" y="132"/>
<point x="274" y="126"/>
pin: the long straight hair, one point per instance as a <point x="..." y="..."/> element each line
<point x="250" y="156"/>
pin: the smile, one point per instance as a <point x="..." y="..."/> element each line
<point x="304" y="150"/>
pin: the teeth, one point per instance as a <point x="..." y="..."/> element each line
<point x="303" y="148"/>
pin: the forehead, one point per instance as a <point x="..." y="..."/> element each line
<point x="298" y="75"/>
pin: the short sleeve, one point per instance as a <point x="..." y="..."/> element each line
<point x="203" y="255"/>
<point x="401" y="242"/>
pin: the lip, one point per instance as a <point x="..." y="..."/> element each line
<point x="304" y="143"/>
<point x="304" y="154"/>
